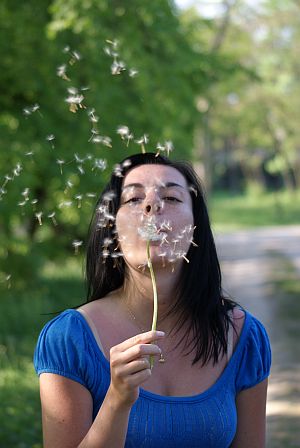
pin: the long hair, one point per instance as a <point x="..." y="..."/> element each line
<point x="200" y="300"/>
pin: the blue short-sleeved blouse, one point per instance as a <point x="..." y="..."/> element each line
<point x="67" y="347"/>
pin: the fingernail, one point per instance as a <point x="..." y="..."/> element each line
<point x="160" y="333"/>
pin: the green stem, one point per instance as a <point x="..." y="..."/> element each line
<point x="155" y="304"/>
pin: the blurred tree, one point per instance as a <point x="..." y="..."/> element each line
<point x="60" y="57"/>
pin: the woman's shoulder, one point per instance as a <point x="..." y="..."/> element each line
<point x="253" y="351"/>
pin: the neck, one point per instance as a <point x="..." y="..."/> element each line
<point x="138" y="294"/>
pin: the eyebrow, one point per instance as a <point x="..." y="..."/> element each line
<point x="167" y="185"/>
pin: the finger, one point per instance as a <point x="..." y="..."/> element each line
<point x="138" y="378"/>
<point x="135" y="366"/>
<point x="138" y="351"/>
<point x="142" y="338"/>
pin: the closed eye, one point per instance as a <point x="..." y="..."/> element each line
<point x="171" y="199"/>
<point x="132" y="200"/>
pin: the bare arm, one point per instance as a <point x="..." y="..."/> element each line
<point x="251" y="414"/>
<point x="67" y="406"/>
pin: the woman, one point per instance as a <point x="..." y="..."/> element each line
<point x="208" y="385"/>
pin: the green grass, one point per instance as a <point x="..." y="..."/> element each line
<point x="254" y="209"/>
<point x="59" y="286"/>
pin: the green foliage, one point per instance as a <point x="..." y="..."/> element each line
<point x="159" y="101"/>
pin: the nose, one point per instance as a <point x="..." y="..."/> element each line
<point x="152" y="208"/>
<point x="152" y="205"/>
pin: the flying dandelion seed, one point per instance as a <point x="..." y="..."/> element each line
<point x="144" y="140"/>
<point x="61" y="72"/>
<point x="102" y="139"/>
<point x="31" y="109"/>
<point x="39" y="217"/>
<point x="50" y="138"/>
<point x="66" y="49"/>
<point x="159" y="148"/>
<point x="77" y="244"/>
<point x="78" y="197"/>
<point x="69" y="185"/>
<point x="117" y="67"/>
<point x="169" y="147"/>
<point x="52" y="217"/>
<point x="29" y="154"/>
<point x="126" y="163"/>
<point x="91" y="195"/>
<point x="125" y="133"/>
<point x="118" y="170"/>
<point x="99" y="164"/>
<point x="108" y="196"/>
<point x="81" y="169"/>
<point x="92" y="117"/>
<point x="114" y="43"/>
<point x="75" y="56"/>
<point x="65" y="204"/>
<point x="60" y="163"/>
<point x="133" y="72"/>
<point x="78" y="159"/>
<point x="25" y="193"/>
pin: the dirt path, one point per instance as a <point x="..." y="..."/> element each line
<point x="249" y="261"/>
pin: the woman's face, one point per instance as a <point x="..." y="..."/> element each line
<point x="156" y="205"/>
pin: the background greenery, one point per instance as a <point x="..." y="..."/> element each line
<point x="224" y="90"/>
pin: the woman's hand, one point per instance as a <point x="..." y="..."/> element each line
<point x="130" y="366"/>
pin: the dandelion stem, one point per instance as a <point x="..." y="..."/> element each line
<point x="155" y="304"/>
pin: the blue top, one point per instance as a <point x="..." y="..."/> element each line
<point x="67" y="347"/>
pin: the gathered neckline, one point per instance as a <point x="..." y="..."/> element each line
<point x="172" y="398"/>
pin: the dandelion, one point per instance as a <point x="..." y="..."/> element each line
<point x="60" y="163"/>
<point x="143" y="141"/>
<point x="76" y="244"/>
<point x="50" y="138"/>
<point x="52" y="217"/>
<point x="150" y="232"/>
<point x="39" y="217"/>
